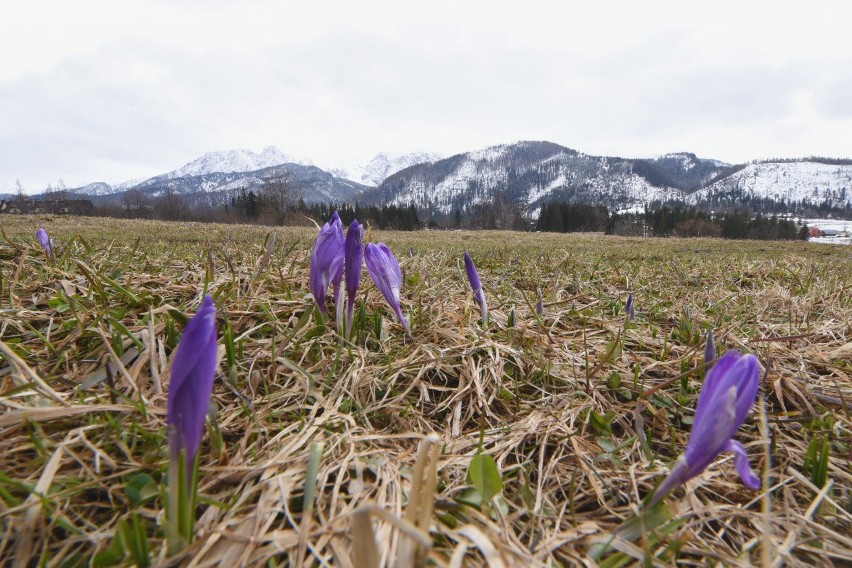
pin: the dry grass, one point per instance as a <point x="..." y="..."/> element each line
<point x="87" y="336"/>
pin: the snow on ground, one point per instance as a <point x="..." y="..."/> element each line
<point x="841" y="225"/>
<point x="831" y="240"/>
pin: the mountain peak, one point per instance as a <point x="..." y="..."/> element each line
<point x="381" y="166"/>
<point x="236" y="160"/>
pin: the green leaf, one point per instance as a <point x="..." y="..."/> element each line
<point x="311" y="476"/>
<point x="140" y="488"/>
<point x="613" y="351"/>
<point x="485" y="477"/>
<point x="820" y="473"/>
<point x="602" y="423"/>
<point x="116" y="552"/>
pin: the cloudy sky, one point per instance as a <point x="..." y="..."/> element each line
<point x="109" y="91"/>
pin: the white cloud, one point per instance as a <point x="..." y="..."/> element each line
<point x="105" y="90"/>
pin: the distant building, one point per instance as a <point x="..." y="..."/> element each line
<point x="814" y="232"/>
<point x="54" y="206"/>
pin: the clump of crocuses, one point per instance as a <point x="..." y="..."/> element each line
<point x="327" y="264"/>
<point x="726" y="398"/>
<point x="476" y="287"/>
<point x="383" y="268"/>
<point x="44" y="239"/>
<point x="190" y="389"/>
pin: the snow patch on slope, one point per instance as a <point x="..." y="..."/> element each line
<point x="793" y="181"/>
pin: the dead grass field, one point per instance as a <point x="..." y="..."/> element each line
<point x="562" y="402"/>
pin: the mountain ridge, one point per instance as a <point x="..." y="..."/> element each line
<point x="527" y="174"/>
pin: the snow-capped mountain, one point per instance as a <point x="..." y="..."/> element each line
<point x="789" y="181"/>
<point x="306" y="182"/>
<point x="527" y="174"/>
<point x="95" y="189"/>
<point x="230" y="161"/>
<point x="222" y="161"/>
<point x="688" y="171"/>
<point x="385" y="165"/>
<point x="215" y="176"/>
<point x="381" y="166"/>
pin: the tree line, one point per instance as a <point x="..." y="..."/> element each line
<point x="275" y="202"/>
<point x="692" y="222"/>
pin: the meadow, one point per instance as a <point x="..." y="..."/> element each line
<point x="316" y="445"/>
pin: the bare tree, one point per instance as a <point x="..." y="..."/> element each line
<point x="19" y="190"/>
<point x="135" y="203"/>
<point x="278" y="196"/>
<point x="171" y="206"/>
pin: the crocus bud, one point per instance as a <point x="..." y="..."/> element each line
<point x="629" y="309"/>
<point x="476" y="286"/>
<point x="193" y="370"/>
<point x="44" y="240"/>
<point x="539" y="304"/>
<point x="728" y="394"/>
<point x="383" y="268"/>
<point x="327" y="260"/>
<point x="709" y="348"/>
<point x="354" y="254"/>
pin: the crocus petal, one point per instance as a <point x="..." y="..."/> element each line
<point x="354" y="253"/>
<point x="678" y="476"/>
<point x="748" y="369"/>
<point x="44" y="240"/>
<point x="327" y="259"/>
<point x="709" y="347"/>
<point x="354" y="259"/>
<point x="193" y="371"/>
<point x="476" y="286"/>
<point x="725" y="400"/>
<point x="708" y="438"/>
<point x="472" y="274"/>
<point x="713" y="381"/>
<point x="629" y="309"/>
<point x="384" y="270"/>
<point x="750" y="479"/>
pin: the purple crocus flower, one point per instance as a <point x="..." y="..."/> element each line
<point x="476" y="286"/>
<point x="539" y="304"/>
<point x="354" y="254"/>
<point x="383" y="268"/>
<point x="727" y="396"/>
<point x="629" y="309"/>
<point x="193" y="370"/>
<point x="44" y="240"/>
<point x="327" y="261"/>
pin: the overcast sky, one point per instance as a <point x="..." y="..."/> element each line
<point x="110" y="91"/>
